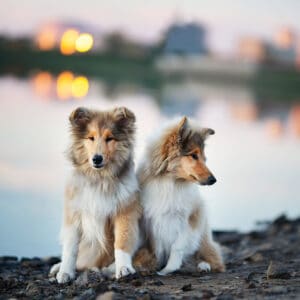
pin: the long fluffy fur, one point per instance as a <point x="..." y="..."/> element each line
<point x="174" y="219"/>
<point x="101" y="209"/>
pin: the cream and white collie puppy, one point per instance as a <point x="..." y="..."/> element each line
<point x="174" y="218"/>
<point x="101" y="208"/>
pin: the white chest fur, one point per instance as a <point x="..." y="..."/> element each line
<point x="167" y="207"/>
<point x="96" y="202"/>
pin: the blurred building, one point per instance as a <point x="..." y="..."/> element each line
<point x="283" y="50"/>
<point x="186" y="39"/>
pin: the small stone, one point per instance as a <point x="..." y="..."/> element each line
<point x="277" y="290"/>
<point x="32" y="290"/>
<point x="225" y="297"/>
<point x="82" y="279"/>
<point x="257" y="257"/>
<point x="187" y="287"/>
<point x="136" y="282"/>
<point x="277" y="272"/>
<point x="142" y="291"/>
<point x="51" y="260"/>
<point x="106" y="296"/>
<point x="87" y="294"/>
<point x="207" y="294"/>
<point x="155" y="282"/>
<point x="8" y="259"/>
<point x="251" y="285"/>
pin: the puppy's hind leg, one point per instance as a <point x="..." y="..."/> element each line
<point x="210" y="252"/>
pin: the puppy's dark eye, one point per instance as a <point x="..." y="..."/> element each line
<point x="108" y="139"/>
<point x="91" y="138"/>
<point x="194" y="156"/>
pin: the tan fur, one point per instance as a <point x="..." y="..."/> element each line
<point x="90" y="132"/>
<point x="126" y="226"/>
<point x="179" y="154"/>
<point x="70" y="216"/>
<point x="145" y="260"/>
<point x="194" y="218"/>
<point x="210" y="252"/>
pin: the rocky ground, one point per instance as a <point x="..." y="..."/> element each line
<point x="260" y="265"/>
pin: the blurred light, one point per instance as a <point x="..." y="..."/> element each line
<point x="43" y="83"/>
<point x="274" y="128"/>
<point x="251" y="49"/>
<point x="285" y="38"/>
<point x="68" y="41"/>
<point x="244" y="111"/>
<point x="80" y="87"/>
<point x="294" y="120"/>
<point x="64" y="85"/>
<point x="84" y="42"/>
<point x="46" y="38"/>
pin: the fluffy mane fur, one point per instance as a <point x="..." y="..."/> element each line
<point x="175" y="223"/>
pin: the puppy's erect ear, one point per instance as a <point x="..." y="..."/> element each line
<point x="182" y="128"/>
<point x="80" y="117"/>
<point x="123" y="116"/>
<point x="205" y="132"/>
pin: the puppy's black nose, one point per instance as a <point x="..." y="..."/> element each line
<point x="211" y="180"/>
<point x="97" y="159"/>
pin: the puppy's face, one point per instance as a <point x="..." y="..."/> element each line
<point x="188" y="160"/>
<point x="100" y="145"/>
<point x="101" y="140"/>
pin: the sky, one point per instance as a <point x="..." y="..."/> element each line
<point x="226" y="20"/>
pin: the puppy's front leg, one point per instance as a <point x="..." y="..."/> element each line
<point x="174" y="262"/>
<point x="70" y="237"/>
<point x="126" y="239"/>
<point x="176" y="256"/>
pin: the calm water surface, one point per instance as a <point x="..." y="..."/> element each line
<point x="255" y="153"/>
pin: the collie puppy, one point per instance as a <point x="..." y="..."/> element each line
<point x="101" y="209"/>
<point x="174" y="219"/>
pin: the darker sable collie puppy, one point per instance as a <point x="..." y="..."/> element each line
<point x="174" y="219"/>
<point x="101" y="209"/>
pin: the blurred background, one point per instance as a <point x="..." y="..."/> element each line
<point x="234" y="66"/>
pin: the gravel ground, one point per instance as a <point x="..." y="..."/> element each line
<point x="260" y="265"/>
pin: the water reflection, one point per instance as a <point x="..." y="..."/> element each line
<point x="65" y="87"/>
<point x="254" y="154"/>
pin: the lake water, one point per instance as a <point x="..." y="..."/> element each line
<point x="255" y="153"/>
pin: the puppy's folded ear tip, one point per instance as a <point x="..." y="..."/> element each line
<point x="79" y="115"/>
<point x="206" y="132"/>
<point x="211" y="131"/>
<point x="123" y="112"/>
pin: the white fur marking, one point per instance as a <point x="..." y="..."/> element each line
<point x="123" y="263"/>
<point x="204" y="266"/>
<point x="69" y="255"/>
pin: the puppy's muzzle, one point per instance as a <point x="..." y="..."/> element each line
<point x="98" y="161"/>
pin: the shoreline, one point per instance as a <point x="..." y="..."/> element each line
<point x="262" y="264"/>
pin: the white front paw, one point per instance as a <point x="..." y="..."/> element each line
<point x="54" y="269"/>
<point x="64" y="277"/>
<point x="204" y="266"/>
<point x="123" y="263"/>
<point x="124" y="271"/>
<point x="164" y="272"/>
